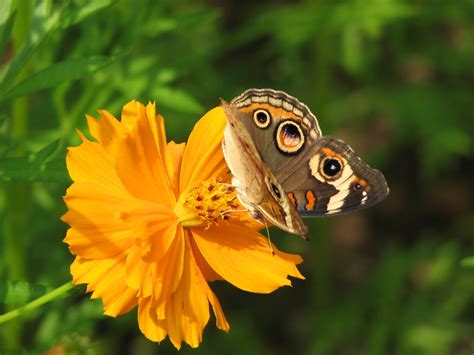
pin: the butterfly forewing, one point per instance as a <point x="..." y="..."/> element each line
<point x="279" y="125"/>
<point x="257" y="189"/>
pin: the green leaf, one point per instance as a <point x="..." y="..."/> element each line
<point x="46" y="166"/>
<point x="47" y="152"/>
<point x="21" y="169"/>
<point x="42" y="24"/>
<point x="6" y="30"/>
<point x="75" y="15"/>
<point x="177" y="100"/>
<point x="168" y="24"/>
<point x="18" y="293"/>
<point x="5" y="8"/>
<point x="59" y="73"/>
<point x="468" y="262"/>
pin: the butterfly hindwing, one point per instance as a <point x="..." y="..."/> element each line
<point x="330" y="178"/>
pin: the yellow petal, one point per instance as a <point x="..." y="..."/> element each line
<point x="107" y="130"/>
<point x="243" y="258"/>
<point x="96" y="243"/>
<point x="149" y="325"/>
<point x="141" y="165"/>
<point x="106" y="278"/>
<point x="140" y="275"/>
<point x="96" y="216"/>
<point x="195" y="305"/>
<point x="132" y="109"/>
<point x="206" y="270"/>
<point x="143" y="269"/>
<point x="133" y="112"/>
<point x="90" y="162"/>
<point x="161" y="237"/>
<point x="187" y="310"/>
<point x="221" y="320"/>
<point x="174" y="155"/>
<point x="169" y="270"/>
<point x="203" y="157"/>
<point x="157" y="127"/>
<point x="105" y="222"/>
<point x="178" y="323"/>
<point x="130" y="112"/>
<point x="173" y="318"/>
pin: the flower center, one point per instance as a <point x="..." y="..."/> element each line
<point x="206" y="204"/>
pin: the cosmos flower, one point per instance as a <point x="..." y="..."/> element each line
<point x="150" y="225"/>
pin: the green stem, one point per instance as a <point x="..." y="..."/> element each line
<point x="18" y="195"/>
<point x="36" y="303"/>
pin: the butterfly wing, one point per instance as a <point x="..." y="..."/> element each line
<point x="278" y="124"/>
<point x="256" y="186"/>
<point x="274" y="147"/>
<point x="330" y="178"/>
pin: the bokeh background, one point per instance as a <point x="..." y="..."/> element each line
<point x="394" y="78"/>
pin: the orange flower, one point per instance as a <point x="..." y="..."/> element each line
<point x="147" y="228"/>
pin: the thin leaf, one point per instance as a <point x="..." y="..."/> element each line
<point x="177" y="100"/>
<point x="168" y="24"/>
<point x="59" y="73"/>
<point x="42" y="24"/>
<point x="46" y="165"/>
<point x="468" y="262"/>
<point x="75" y="15"/>
<point x="5" y="7"/>
<point x="18" y="293"/>
<point x="47" y="152"/>
<point x="5" y="31"/>
<point x="23" y="170"/>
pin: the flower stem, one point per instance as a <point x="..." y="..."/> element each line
<point x="36" y="303"/>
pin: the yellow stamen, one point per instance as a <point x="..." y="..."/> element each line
<point x="187" y="217"/>
<point x="206" y="203"/>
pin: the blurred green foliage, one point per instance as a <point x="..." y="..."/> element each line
<point x="392" y="77"/>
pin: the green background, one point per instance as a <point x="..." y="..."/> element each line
<point x="393" y="78"/>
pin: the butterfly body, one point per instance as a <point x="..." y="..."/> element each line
<point x="284" y="169"/>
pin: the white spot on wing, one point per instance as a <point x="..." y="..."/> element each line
<point x="275" y="102"/>
<point x="336" y="201"/>
<point x="287" y="106"/>
<point x="246" y="102"/>
<point x="298" y="112"/>
<point x="260" y="99"/>
<point x="342" y="184"/>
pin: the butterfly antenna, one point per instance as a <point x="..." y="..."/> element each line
<point x="268" y="237"/>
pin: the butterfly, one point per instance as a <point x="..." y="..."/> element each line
<point x="284" y="169"/>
